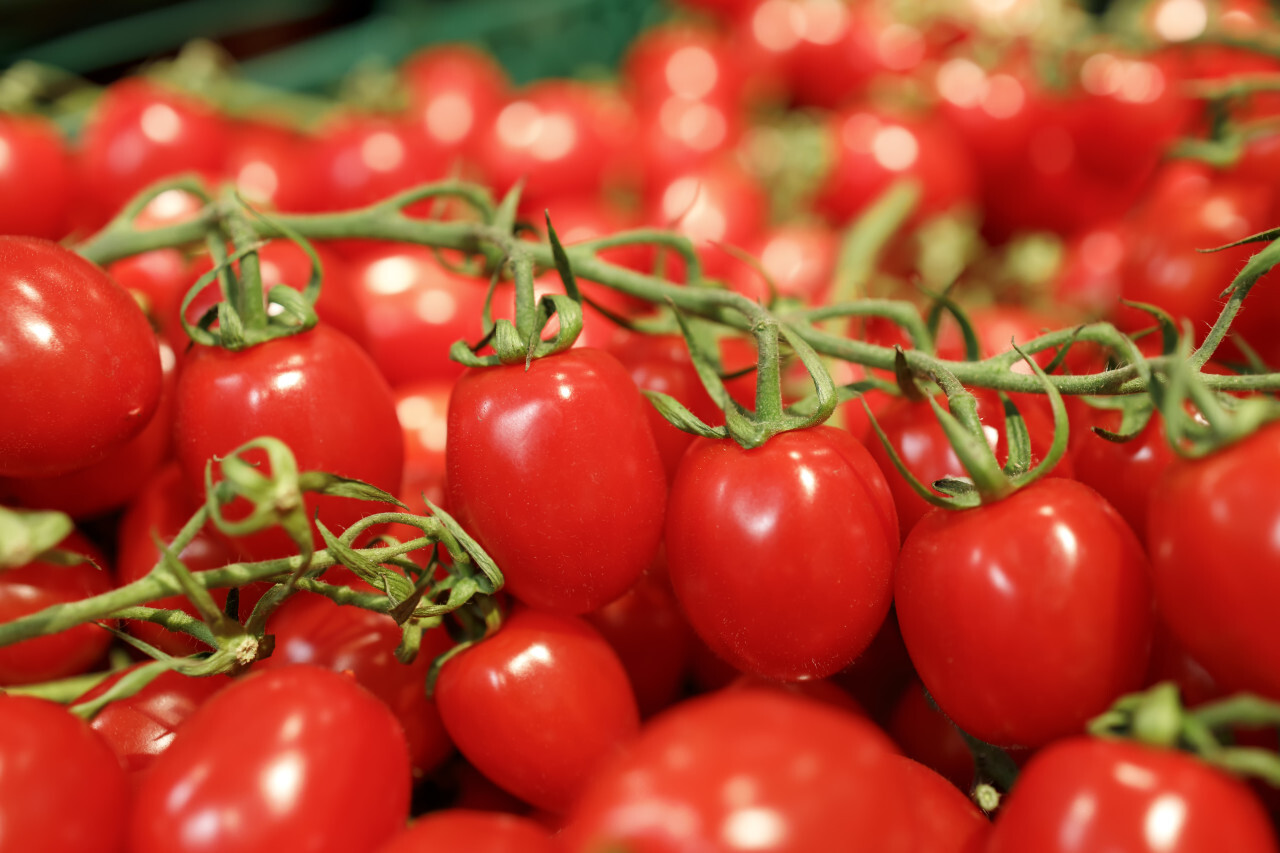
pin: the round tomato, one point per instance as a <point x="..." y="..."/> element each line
<point x="1087" y="794"/>
<point x="747" y="770"/>
<point x="555" y="471"/>
<point x="1027" y="616"/>
<point x="36" y="177"/>
<point x="464" y="831"/>
<point x="319" y="393"/>
<point x="455" y="91"/>
<point x="295" y="758"/>
<point x="62" y="789"/>
<point x="361" y="159"/>
<point x="79" y="364"/>
<point x="1125" y="473"/>
<point x="539" y="706"/>
<point x="782" y="556"/>
<point x="946" y="820"/>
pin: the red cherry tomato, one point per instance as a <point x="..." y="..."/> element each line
<point x="538" y="707"/>
<point x="140" y="132"/>
<point x="464" y="831"/>
<point x="455" y="91"/>
<point x="782" y="556"/>
<point x="1213" y="559"/>
<point x="312" y="629"/>
<point x="800" y="259"/>
<point x="37" y="585"/>
<point x="49" y="758"/>
<point x="746" y="770"/>
<point x="320" y="750"/>
<point x="360" y="160"/>
<point x="317" y="392"/>
<point x="946" y="820"/>
<point x="1140" y="799"/>
<point x="79" y="363"/>
<point x="423" y="411"/>
<point x="36" y="178"/>
<point x="267" y="163"/>
<point x="555" y="471"/>
<point x="1028" y="616"/>
<point x="1125" y="473"/>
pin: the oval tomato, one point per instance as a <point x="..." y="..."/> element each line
<point x="782" y="556"/>
<point x="319" y="752"/>
<point x="555" y="472"/>
<point x="79" y="364"/>
<point x="36" y="177"/>
<point x="539" y="706"/>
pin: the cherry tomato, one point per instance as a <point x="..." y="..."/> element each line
<point x="1213" y="560"/>
<point x="317" y="392"/>
<point x="267" y="163"/>
<point x="36" y="177"/>
<point x="37" y="585"/>
<point x="782" y="556"/>
<point x="746" y="770"/>
<point x="555" y="471"/>
<point x="1027" y="616"/>
<point x="946" y="820"/>
<point x="320" y="751"/>
<point x="455" y="91"/>
<point x="539" y="706"/>
<point x="49" y="759"/>
<point x="311" y="629"/>
<point x="423" y="411"/>
<point x="1125" y="473"/>
<point x="78" y="361"/>
<point x="465" y="831"/>
<point x="360" y="160"/>
<point x="1139" y="799"/>
<point x="800" y="259"/>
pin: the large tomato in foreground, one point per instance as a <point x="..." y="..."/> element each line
<point x="555" y="471"/>
<point x="1085" y="794"/>
<point x="295" y="758"/>
<point x="782" y="556"/>
<point x="748" y="769"/>
<point x="79" y="364"/>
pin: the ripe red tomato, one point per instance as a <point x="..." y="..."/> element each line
<point x="746" y="770"/>
<point x="361" y="159"/>
<point x="800" y="258"/>
<point x="538" y="707"/>
<point x="1124" y="473"/>
<point x="319" y="393"/>
<point x="37" y="585"/>
<point x="1138" y="799"/>
<point x="947" y="821"/>
<point x="79" y="363"/>
<point x="36" y="177"/>
<point x="554" y="470"/>
<point x="314" y="630"/>
<point x="782" y="556"/>
<point x="139" y="132"/>
<point x="464" y="831"/>
<point x="1027" y="616"/>
<point x="48" y="760"/>
<point x="1214" y="559"/>
<point x="323" y="767"/>
<point x="455" y="91"/>
<point x="267" y="163"/>
<point x="423" y="411"/>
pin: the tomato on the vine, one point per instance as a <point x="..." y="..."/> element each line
<point x="36" y="177"/>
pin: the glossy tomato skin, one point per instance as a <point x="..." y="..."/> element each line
<point x="1141" y="800"/>
<point x="36" y="177"/>
<point x="555" y="471"/>
<point x="358" y="160"/>
<point x="538" y="707"/>
<point x="320" y="751"/>
<point x="50" y="761"/>
<point x="782" y="556"/>
<point x="319" y="393"/>
<point x="947" y="821"/>
<point x="466" y="831"/>
<point x="37" y="585"/>
<point x="1028" y="616"/>
<point x="68" y="403"/>
<point x="1125" y="473"/>
<point x="454" y="91"/>
<point x="746" y="770"/>
<point x="1214" y="561"/>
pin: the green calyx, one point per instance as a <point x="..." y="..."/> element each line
<point x="28" y="535"/>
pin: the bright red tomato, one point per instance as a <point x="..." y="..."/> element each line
<point x="1139" y="799"/>
<point x="36" y="177"/>
<point x="1214" y="560"/>
<point x="1027" y="616"/>
<point x="761" y="599"/>
<point x="947" y="821"/>
<point x="423" y="411"/>
<point x="314" y="630"/>
<point x="319" y="393"/>
<point x="267" y="163"/>
<point x="555" y="471"/>
<point x="79" y="363"/>
<point x="37" y="585"/>
<point x="538" y="707"/>
<point x="323" y="767"/>
<point x="746" y="770"/>
<point x="1124" y="473"/>
<point x="49" y="760"/>
<point x="359" y="160"/>
<point x="464" y="831"/>
<point x="139" y="132"/>
<point x="455" y="91"/>
<point x="799" y="258"/>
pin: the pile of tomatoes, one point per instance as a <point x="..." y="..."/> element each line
<point x="771" y="643"/>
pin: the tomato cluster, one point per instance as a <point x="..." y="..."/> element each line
<point x="765" y="636"/>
